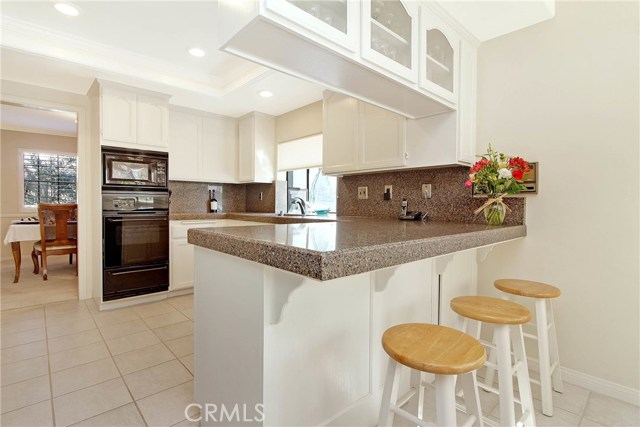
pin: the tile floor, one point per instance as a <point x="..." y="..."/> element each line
<point x="66" y="363"/>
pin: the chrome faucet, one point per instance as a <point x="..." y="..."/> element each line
<point x="300" y="202"/>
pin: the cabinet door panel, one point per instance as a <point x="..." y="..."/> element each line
<point x="184" y="146"/>
<point x="382" y="142"/>
<point x="152" y="122"/>
<point x="246" y="150"/>
<point x="219" y="146"/>
<point x="182" y="264"/>
<point x="340" y="133"/>
<point x="118" y="115"/>
<point x="439" y="57"/>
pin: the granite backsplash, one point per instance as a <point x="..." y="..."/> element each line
<point x="450" y="201"/>
<point x="193" y="197"/>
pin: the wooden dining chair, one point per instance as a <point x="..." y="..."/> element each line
<point x="57" y="236"/>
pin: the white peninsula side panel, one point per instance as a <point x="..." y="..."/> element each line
<point x="294" y="351"/>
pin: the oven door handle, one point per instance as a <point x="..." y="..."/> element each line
<point x="135" y="219"/>
<point x="137" y="271"/>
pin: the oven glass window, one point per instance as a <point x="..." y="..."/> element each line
<point x="135" y="240"/>
<point x="129" y="171"/>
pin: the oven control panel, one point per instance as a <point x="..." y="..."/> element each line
<point x="121" y="201"/>
<point x="125" y="204"/>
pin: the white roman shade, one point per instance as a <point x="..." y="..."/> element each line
<point x="300" y="153"/>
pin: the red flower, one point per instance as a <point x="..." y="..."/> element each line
<point x="517" y="174"/>
<point x="468" y="183"/>
<point x="479" y="165"/>
<point x="518" y="163"/>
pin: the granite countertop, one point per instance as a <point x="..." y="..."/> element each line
<point x="347" y="246"/>
<point x="269" y="218"/>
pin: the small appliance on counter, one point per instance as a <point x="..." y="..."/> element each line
<point x="407" y="215"/>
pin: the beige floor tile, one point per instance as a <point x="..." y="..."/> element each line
<point x="66" y="327"/>
<point x="588" y="423"/>
<point x="112" y="317"/>
<point x="24" y="351"/>
<point x="66" y="308"/>
<point x="157" y="378"/>
<point x="89" y="402"/>
<point x="79" y="377"/>
<point x="188" y="312"/>
<point x="187" y="361"/>
<point x="79" y="339"/>
<point x="572" y="399"/>
<point x="143" y="358"/>
<point x="11" y="326"/>
<point x="182" y="302"/>
<point x="187" y="423"/>
<point x="78" y="356"/>
<point x="61" y="320"/>
<point x="27" y="313"/>
<point x="167" y="407"/>
<point x="25" y="393"/>
<point x="24" y="337"/>
<point x="121" y="329"/>
<point x="40" y="415"/>
<point x="24" y="370"/>
<point x="560" y="418"/>
<point x="165" y="319"/>
<point x="153" y="309"/>
<point x="132" y="342"/>
<point x="181" y="346"/>
<point x="124" y="416"/>
<point x="611" y="412"/>
<point x="177" y="330"/>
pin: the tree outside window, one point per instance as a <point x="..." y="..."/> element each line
<point x="49" y="178"/>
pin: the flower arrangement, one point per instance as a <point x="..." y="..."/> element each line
<point x="496" y="175"/>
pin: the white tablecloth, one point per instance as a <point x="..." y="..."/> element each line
<point x="22" y="232"/>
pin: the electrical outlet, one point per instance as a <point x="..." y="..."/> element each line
<point x="388" y="189"/>
<point x="363" y="192"/>
<point x="426" y="191"/>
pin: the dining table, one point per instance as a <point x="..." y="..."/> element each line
<point x="19" y="232"/>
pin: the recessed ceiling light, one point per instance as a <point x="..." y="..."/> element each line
<point x="265" y="94"/>
<point x="67" y="9"/>
<point x="197" y="52"/>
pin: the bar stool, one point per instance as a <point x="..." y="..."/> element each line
<point x="507" y="318"/>
<point x="439" y="350"/>
<point x="548" y="357"/>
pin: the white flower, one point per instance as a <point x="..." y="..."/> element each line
<point x="504" y="173"/>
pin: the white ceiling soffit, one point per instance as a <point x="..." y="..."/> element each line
<point x="143" y="44"/>
<point x="26" y="119"/>
<point x="490" y="19"/>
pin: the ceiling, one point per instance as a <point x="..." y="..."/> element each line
<point x="143" y="44"/>
<point x="28" y="119"/>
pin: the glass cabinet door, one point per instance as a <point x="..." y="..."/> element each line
<point x="439" y="62"/>
<point x="331" y="12"/>
<point x="390" y="34"/>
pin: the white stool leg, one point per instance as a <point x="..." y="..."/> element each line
<point x="389" y="395"/>
<point x="445" y="400"/>
<point x="543" y="356"/>
<point x="505" y="377"/>
<point x="490" y="373"/>
<point x="471" y="398"/>
<point x="553" y="349"/>
<point x="417" y="376"/>
<point x="524" y="384"/>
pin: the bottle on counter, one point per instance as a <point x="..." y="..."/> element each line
<point x="213" y="203"/>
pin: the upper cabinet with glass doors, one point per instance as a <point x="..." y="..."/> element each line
<point x="439" y="57"/>
<point x="335" y="21"/>
<point x="390" y="36"/>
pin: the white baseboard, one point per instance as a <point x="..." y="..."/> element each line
<point x="599" y="385"/>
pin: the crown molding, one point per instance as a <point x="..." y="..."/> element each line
<point x="28" y="129"/>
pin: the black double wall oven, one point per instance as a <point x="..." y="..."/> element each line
<point x="135" y="223"/>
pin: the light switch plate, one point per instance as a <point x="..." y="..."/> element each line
<point x="426" y="191"/>
<point x="363" y="193"/>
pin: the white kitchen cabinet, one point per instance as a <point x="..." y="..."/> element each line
<point x="359" y="137"/>
<point x="256" y="148"/>
<point x="390" y="36"/>
<point x="454" y="275"/>
<point x="181" y="251"/>
<point x="439" y="52"/>
<point x="202" y="147"/>
<point x="130" y="117"/>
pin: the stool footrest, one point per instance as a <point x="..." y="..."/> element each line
<point x="494" y="390"/>
<point x="409" y="416"/>
<point x="530" y="336"/>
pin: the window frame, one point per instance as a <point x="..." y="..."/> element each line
<point x="20" y="180"/>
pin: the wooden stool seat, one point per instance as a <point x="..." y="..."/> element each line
<point x="432" y="348"/>
<point x="527" y="288"/>
<point x="491" y="310"/>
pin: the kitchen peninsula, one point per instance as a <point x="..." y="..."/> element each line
<point x="288" y="317"/>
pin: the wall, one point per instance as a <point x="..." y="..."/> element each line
<point x="304" y="121"/>
<point x="565" y="93"/>
<point x="11" y="142"/>
<point x="450" y="201"/>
